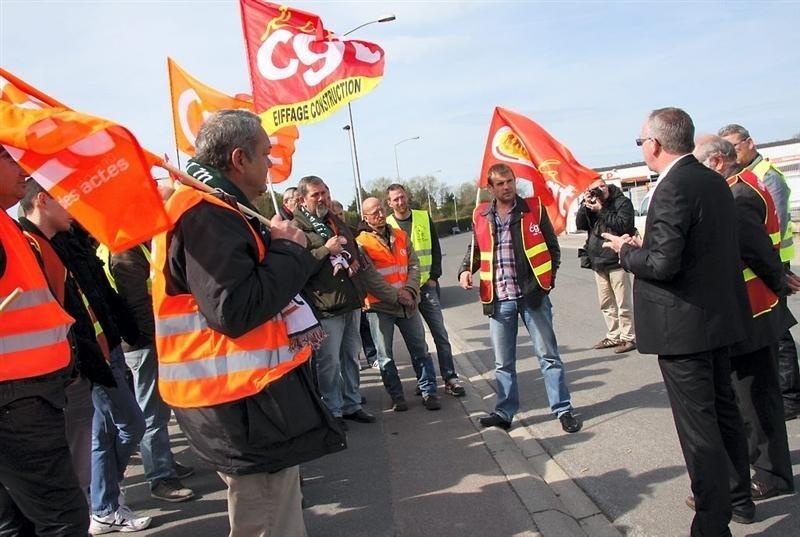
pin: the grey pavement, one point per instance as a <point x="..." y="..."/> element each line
<point x="423" y="473"/>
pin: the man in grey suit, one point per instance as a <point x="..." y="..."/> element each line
<point x="691" y="306"/>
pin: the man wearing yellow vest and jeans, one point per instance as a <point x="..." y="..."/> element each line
<point x="393" y="256"/>
<point x="517" y="253"/>
<point x="774" y="180"/>
<point x="418" y="226"/>
<point x="234" y="338"/>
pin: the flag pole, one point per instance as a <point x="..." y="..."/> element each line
<point x="472" y="245"/>
<point x="188" y="180"/>
<point x="10" y="298"/>
<point x="272" y="193"/>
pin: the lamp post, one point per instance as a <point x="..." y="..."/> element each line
<point x="354" y="163"/>
<point x="396" y="161"/>
<point x="428" y="190"/>
<point x="351" y="127"/>
<point x="455" y="211"/>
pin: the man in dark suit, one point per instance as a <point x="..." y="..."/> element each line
<point x="691" y="306"/>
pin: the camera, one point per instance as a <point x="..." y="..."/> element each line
<point x="595" y="192"/>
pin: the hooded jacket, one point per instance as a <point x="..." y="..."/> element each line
<point x="616" y="217"/>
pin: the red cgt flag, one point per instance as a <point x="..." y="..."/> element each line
<point x="193" y="101"/>
<point x="93" y="167"/>
<point x="537" y="157"/>
<point x="300" y="72"/>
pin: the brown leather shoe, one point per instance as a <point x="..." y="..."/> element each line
<point x="762" y="491"/>
<point x="606" y="343"/>
<point x="625" y="346"/>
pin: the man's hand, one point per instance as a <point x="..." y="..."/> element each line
<point x="593" y="204"/>
<point x="793" y="281"/>
<point x="405" y="298"/>
<point x="615" y="243"/>
<point x="431" y="283"/>
<point x="286" y="230"/>
<point x="465" y="279"/>
<point x="334" y="244"/>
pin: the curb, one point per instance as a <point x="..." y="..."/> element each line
<point x="557" y="505"/>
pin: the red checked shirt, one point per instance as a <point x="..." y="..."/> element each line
<point x="506" y="286"/>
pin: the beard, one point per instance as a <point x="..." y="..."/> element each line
<point x="321" y="211"/>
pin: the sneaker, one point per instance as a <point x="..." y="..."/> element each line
<point x="399" y="404"/>
<point x="606" y="343"/>
<point x="182" y="472"/>
<point x="625" y="346"/>
<point x="569" y="423"/>
<point x="455" y="389"/>
<point x="123" y="521"/>
<point x="171" y="490"/>
<point x="431" y="402"/>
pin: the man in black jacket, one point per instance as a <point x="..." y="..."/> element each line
<point x="754" y="360"/>
<point x="691" y="306"/>
<point x="255" y="443"/>
<point x="606" y="209"/>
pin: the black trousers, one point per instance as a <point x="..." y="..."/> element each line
<point x="39" y="492"/>
<point x="711" y="434"/>
<point x="789" y="372"/>
<point x="755" y="381"/>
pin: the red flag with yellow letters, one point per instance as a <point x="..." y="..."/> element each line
<point x="93" y="167"/>
<point x="533" y="155"/>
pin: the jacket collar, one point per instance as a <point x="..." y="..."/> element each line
<point x="519" y="206"/>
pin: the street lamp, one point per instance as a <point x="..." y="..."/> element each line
<point x="352" y="128"/>
<point x="396" y="162"/>
<point x="428" y="190"/>
<point x="354" y="162"/>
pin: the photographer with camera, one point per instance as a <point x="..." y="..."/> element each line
<point x="604" y="208"/>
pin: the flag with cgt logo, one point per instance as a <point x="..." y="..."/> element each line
<point x="533" y="155"/>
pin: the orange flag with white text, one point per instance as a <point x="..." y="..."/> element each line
<point x="193" y="102"/>
<point x="533" y="155"/>
<point x="93" y="167"/>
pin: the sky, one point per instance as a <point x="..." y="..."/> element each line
<point x="588" y="72"/>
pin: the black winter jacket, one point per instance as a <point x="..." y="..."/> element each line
<point x="213" y="255"/>
<point x="533" y="294"/>
<point x="616" y="217"/>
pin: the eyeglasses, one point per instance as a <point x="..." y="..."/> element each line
<point x="376" y="212"/>
<point x="640" y="141"/>
<point x="737" y="144"/>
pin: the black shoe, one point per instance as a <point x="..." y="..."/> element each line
<point x="569" y="423"/>
<point x="417" y="391"/>
<point x="341" y="423"/>
<point x="363" y="400"/>
<point x="182" y="471"/>
<point x="360" y="416"/>
<point x="738" y="515"/>
<point x="431" y="402"/>
<point x="790" y="412"/>
<point x="761" y="491"/>
<point x="495" y="420"/>
<point x="399" y="404"/>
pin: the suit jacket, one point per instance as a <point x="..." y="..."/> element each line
<point x="689" y="293"/>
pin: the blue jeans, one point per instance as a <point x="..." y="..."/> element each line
<point x="431" y="310"/>
<point x="366" y="340"/>
<point x="503" y="325"/>
<point x="337" y="363"/>
<point x="382" y="328"/>
<point x="156" y="454"/>
<point x="117" y="427"/>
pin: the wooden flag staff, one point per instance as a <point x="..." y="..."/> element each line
<point x="10" y="298"/>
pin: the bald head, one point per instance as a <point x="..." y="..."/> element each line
<point x="374" y="216"/>
<point x="717" y="153"/>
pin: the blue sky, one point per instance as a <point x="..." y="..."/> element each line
<point x="588" y="72"/>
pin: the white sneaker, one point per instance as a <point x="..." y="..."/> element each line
<point x="123" y="521"/>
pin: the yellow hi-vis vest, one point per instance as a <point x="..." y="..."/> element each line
<point x="421" y="240"/>
<point x="105" y="256"/>
<point x="787" y="242"/>
<point x="198" y="366"/>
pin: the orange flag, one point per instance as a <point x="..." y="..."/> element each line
<point x="193" y="102"/>
<point x="93" y="167"/>
<point x="535" y="156"/>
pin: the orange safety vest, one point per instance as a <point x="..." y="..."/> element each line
<point x="56" y="274"/>
<point x="762" y="299"/>
<point x="391" y="263"/>
<point x="532" y="240"/>
<point x="198" y="366"/>
<point x="33" y="327"/>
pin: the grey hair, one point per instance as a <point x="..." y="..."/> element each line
<point x="733" y="128"/>
<point x="302" y="186"/>
<point x="336" y="203"/>
<point x="716" y="145"/>
<point x="290" y="192"/>
<point x="673" y="129"/>
<point x="222" y="133"/>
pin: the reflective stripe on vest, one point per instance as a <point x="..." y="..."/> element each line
<point x="787" y="242"/>
<point x="197" y="365"/>
<point x="761" y="297"/>
<point x="33" y="328"/>
<point x="392" y="263"/>
<point x="421" y="240"/>
<point x="532" y="241"/>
